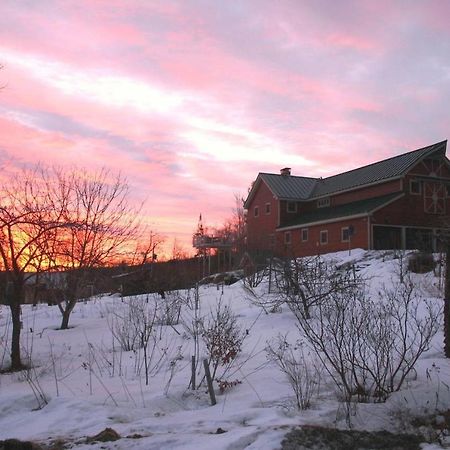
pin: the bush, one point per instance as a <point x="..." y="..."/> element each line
<point x="222" y="337"/>
<point x="421" y="263"/>
<point x="370" y="346"/>
<point x="302" y="375"/>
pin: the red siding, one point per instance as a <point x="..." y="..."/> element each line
<point x="424" y="167"/>
<point x="409" y="210"/>
<point x="368" y="192"/>
<point x="260" y="228"/>
<point x="313" y="246"/>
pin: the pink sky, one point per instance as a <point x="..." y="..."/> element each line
<point x="191" y="99"/>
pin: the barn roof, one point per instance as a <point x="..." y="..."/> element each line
<point x="329" y="214"/>
<point x="289" y="187"/>
<point x="388" y="168"/>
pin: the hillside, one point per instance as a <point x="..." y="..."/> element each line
<point x="82" y="381"/>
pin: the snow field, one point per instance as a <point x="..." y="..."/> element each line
<point x="97" y="385"/>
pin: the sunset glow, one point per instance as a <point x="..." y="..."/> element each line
<point x="189" y="100"/>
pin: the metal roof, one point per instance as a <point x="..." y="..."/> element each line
<point x="288" y="187"/>
<point x="360" y="207"/>
<point x="388" y="168"/>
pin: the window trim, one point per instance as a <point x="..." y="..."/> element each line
<point x="304" y="230"/>
<point x="287" y="241"/>
<point x="411" y="181"/>
<point x="268" y="208"/>
<point x="288" y="210"/>
<point x="323" y="233"/>
<point x="343" y="229"/>
<point x="323" y="202"/>
<point x="256" y="211"/>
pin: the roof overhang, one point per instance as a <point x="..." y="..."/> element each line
<point x="342" y="218"/>
<point x="321" y="222"/>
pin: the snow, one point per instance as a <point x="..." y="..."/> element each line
<point x="255" y="414"/>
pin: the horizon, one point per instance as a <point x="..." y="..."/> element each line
<point x="191" y="100"/>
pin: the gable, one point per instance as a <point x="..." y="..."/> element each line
<point x="283" y="187"/>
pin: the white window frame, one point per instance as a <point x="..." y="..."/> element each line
<point x="288" y="210"/>
<point x="268" y="208"/>
<point x="323" y="233"/>
<point x="323" y="202"/>
<point x="256" y="211"/>
<point x="304" y="230"/>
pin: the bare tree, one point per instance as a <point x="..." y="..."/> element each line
<point x="29" y="218"/>
<point x="100" y="225"/>
<point x="233" y="229"/>
<point x="306" y="282"/>
<point x="147" y="245"/>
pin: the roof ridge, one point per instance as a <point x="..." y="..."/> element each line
<point x="429" y="147"/>
<point x="289" y="176"/>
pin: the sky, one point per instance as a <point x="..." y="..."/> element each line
<point x="190" y="99"/>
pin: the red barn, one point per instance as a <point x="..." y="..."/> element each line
<point x="397" y="203"/>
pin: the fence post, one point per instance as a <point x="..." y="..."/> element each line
<point x="212" y="395"/>
<point x="193" y="373"/>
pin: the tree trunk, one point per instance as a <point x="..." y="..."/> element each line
<point x="16" y="362"/>
<point x="447" y="303"/>
<point x="66" y="314"/>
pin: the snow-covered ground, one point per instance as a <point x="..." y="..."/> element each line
<point x="90" y="384"/>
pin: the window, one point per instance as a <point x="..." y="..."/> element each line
<point x="324" y="237"/>
<point x="345" y="234"/>
<point x="291" y="207"/>
<point x="304" y="234"/>
<point x="323" y="202"/>
<point x="415" y="187"/>
<point x="256" y="211"/>
<point x="287" y="237"/>
<point x="267" y="208"/>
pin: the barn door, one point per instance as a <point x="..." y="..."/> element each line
<point x="434" y="194"/>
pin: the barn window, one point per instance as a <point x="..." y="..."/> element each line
<point x="287" y="237"/>
<point x="304" y="234"/>
<point x="256" y="211"/>
<point x="323" y="202"/>
<point x="415" y="187"/>
<point x="291" y="207"/>
<point x="324" y="237"/>
<point x="267" y="208"/>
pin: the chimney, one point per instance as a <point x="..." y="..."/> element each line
<point x="286" y="172"/>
